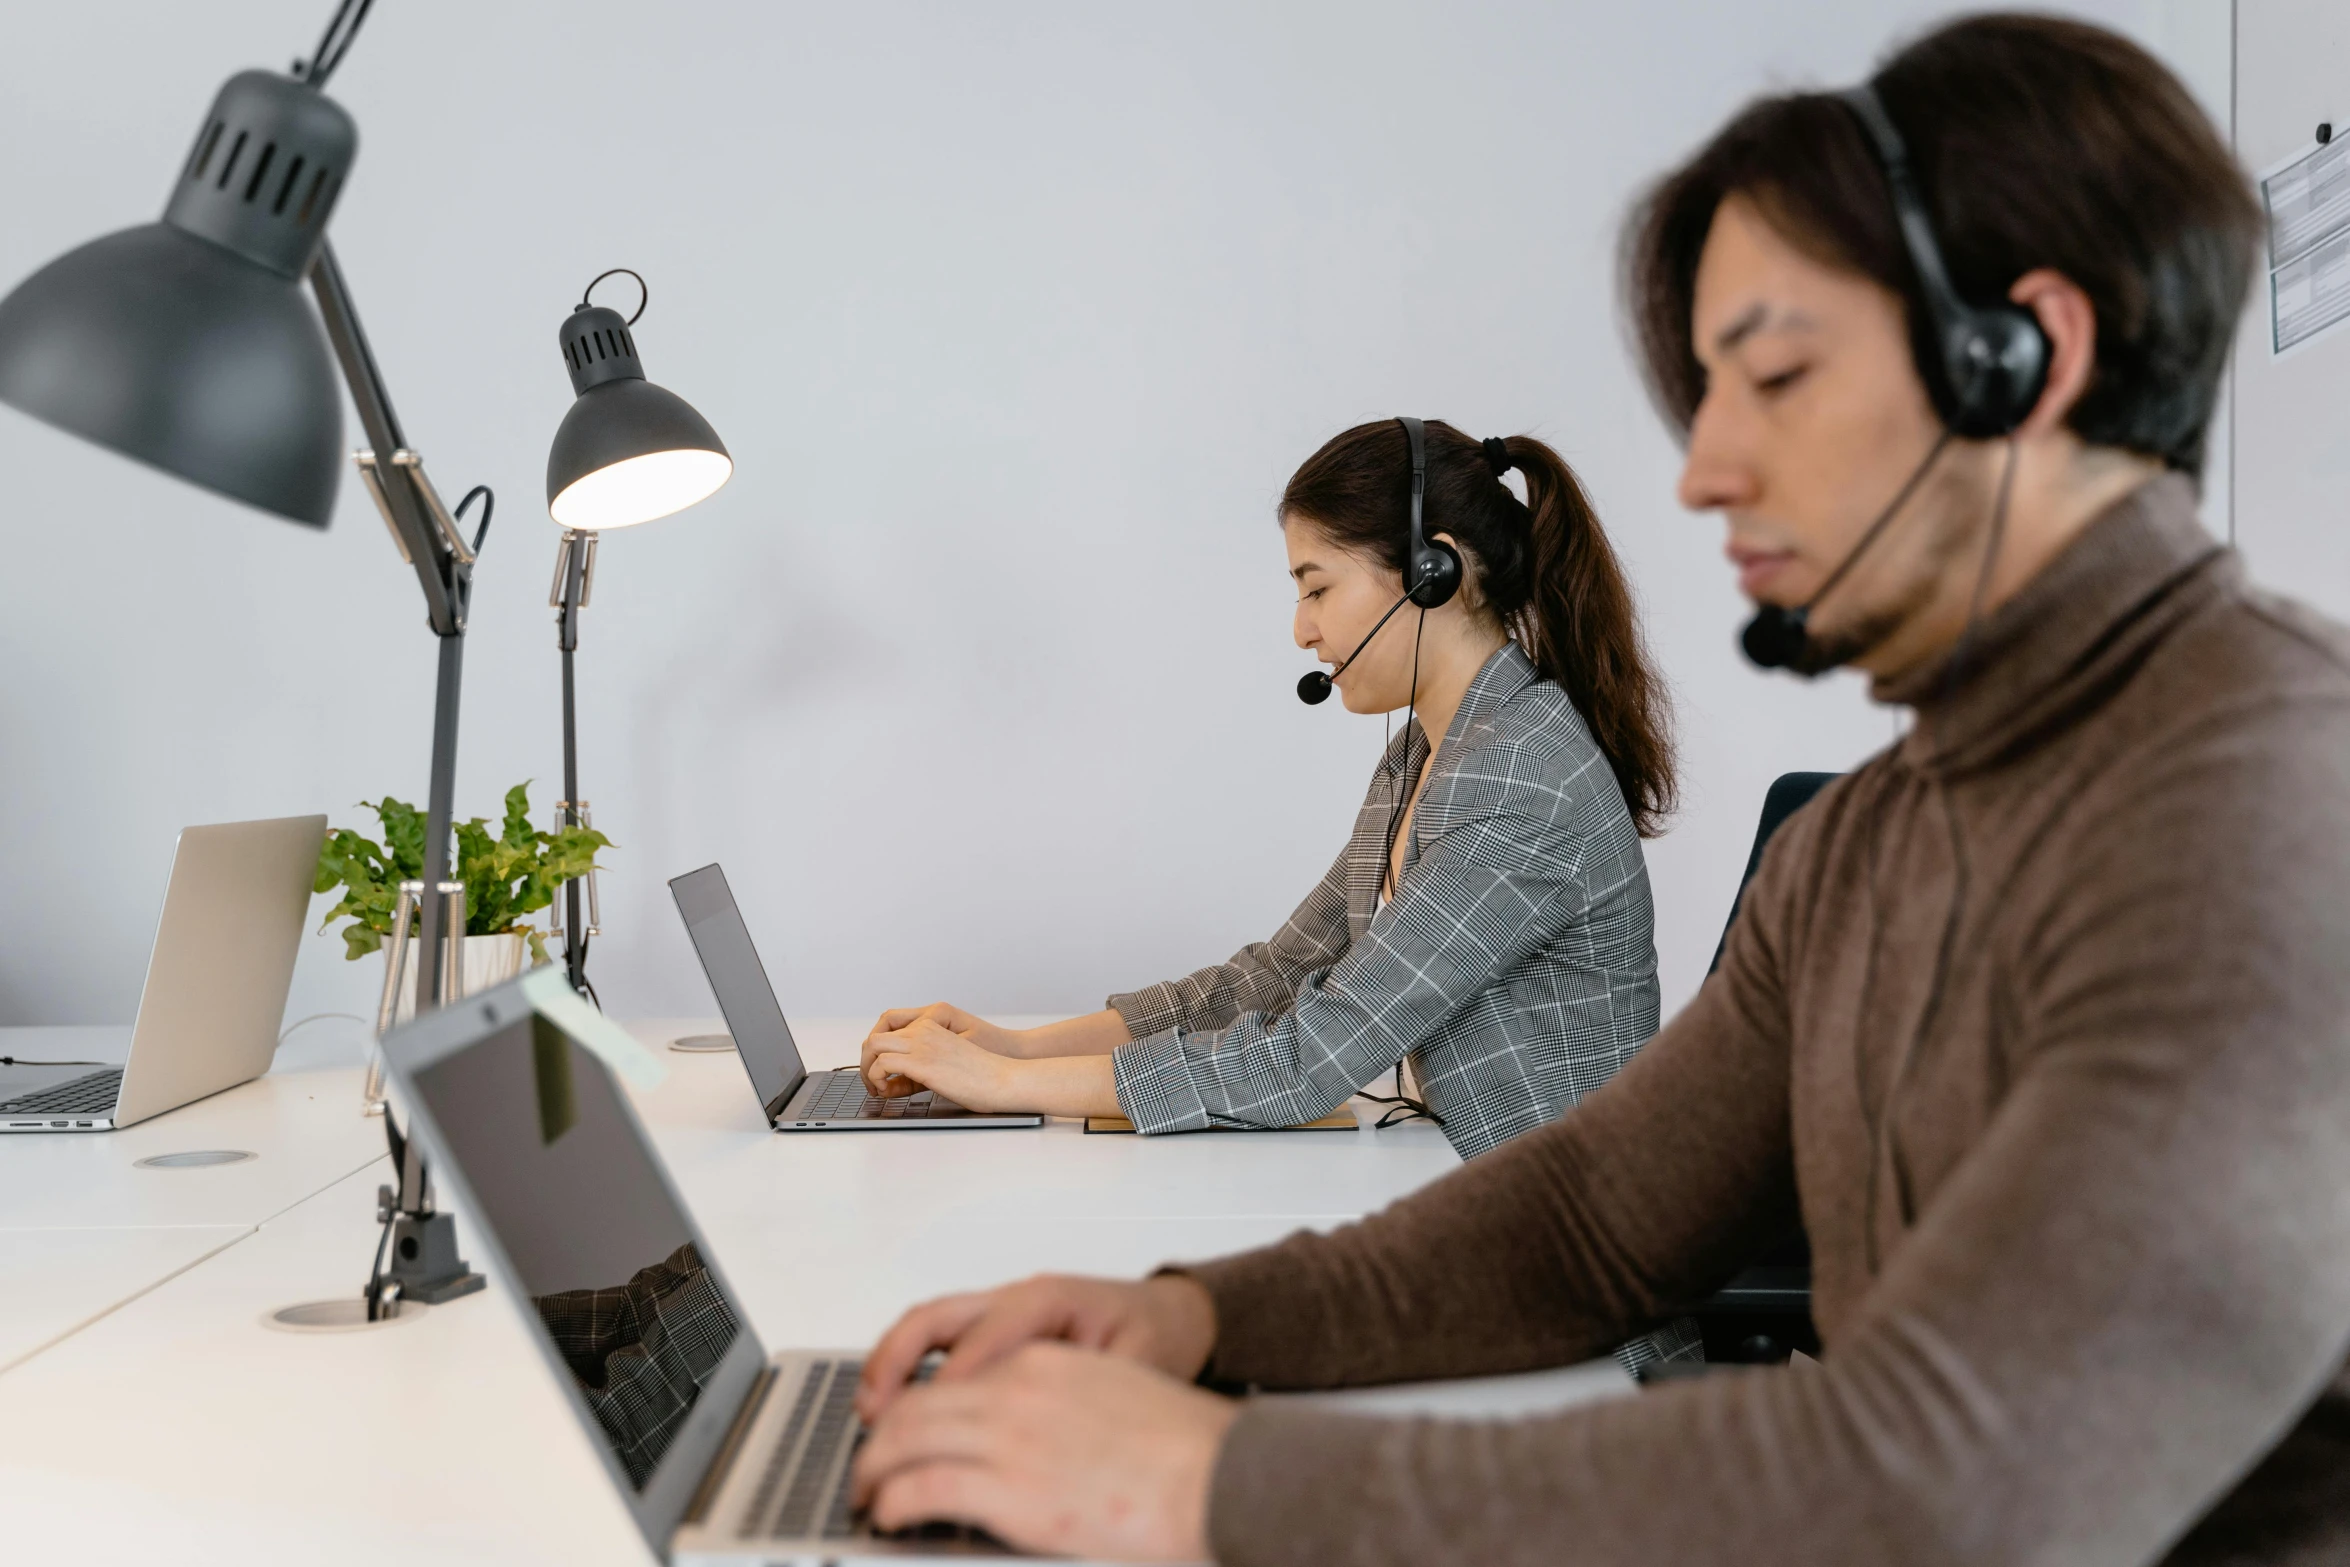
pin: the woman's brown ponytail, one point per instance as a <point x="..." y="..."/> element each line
<point x="1579" y="627"/>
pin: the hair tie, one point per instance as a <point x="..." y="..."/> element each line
<point x="1497" y="452"/>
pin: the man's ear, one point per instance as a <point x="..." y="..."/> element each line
<point x="2070" y="322"/>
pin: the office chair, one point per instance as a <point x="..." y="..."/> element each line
<point x="1764" y="1313"/>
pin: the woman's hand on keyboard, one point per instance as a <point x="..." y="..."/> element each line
<point x="1167" y="1322"/>
<point x="925" y="1053"/>
<point x="987" y="1036"/>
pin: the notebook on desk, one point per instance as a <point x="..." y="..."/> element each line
<point x="1341" y="1119"/>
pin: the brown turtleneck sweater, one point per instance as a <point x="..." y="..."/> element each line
<point x="2041" y="1021"/>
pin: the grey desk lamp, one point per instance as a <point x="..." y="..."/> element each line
<point x="186" y="345"/>
<point x="627" y="452"/>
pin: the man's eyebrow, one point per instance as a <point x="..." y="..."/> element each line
<point x="1752" y="320"/>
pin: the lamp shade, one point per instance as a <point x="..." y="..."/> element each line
<point x="169" y="349"/>
<point x="187" y="343"/>
<point x="627" y="451"/>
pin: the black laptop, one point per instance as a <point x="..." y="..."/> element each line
<point x="795" y="1099"/>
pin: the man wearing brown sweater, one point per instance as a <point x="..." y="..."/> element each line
<point x="2038" y="1023"/>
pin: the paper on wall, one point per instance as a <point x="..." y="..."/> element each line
<point x="2307" y="198"/>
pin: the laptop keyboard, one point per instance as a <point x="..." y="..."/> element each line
<point x="811" y="1499"/>
<point x="843" y="1098"/>
<point x="93" y="1093"/>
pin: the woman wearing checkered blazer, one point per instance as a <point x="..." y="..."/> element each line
<point x="1488" y="922"/>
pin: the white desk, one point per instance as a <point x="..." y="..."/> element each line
<point x="84" y="1228"/>
<point x="179" y="1425"/>
<point x="887" y="1218"/>
<point x="302" y="1119"/>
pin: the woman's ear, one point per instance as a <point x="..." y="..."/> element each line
<point x="2069" y="321"/>
<point x="1472" y="594"/>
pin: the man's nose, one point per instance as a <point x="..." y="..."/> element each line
<point x="1714" y="472"/>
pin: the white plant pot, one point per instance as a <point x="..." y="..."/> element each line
<point x="489" y="961"/>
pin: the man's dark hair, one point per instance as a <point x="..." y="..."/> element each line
<point x="2038" y="143"/>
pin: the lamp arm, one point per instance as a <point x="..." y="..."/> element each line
<point x="421" y="542"/>
<point x="444" y="574"/>
<point x="574" y="561"/>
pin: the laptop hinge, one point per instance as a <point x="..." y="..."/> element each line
<point x="783" y="1100"/>
<point x="722" y="1462"/>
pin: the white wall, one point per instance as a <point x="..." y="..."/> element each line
<point x="1016" y="317"/>
<point x="2292" y="437"/>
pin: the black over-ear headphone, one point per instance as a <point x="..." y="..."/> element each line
<point x="1431" y="573"/>
<point x="1990" y="365"/>
<point x="1993" y="358"/>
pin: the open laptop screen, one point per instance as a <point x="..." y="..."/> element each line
<point x="739" y="980"/>
<point x="561" y="1176"/>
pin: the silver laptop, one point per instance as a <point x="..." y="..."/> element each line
<point x="216" y="984"/>
<point x="721" y="1453"/>
<point x="795" y="1099"/>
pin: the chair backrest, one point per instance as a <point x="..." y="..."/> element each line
<point x="1789" y="793"/>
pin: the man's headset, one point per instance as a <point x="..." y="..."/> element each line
<point x="1985" y="378"/>
<point x="1432" y="573"/>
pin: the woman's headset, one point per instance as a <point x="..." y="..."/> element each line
<point x="1431" y="572"/>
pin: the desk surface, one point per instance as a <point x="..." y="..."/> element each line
<point x="302" y="1119"/>
<point x="84" y="1227"/>
<point x="175" y="1421"/>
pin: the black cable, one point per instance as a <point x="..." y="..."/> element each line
<point x="1411" y="717"/>
<point x="1961" y="871"/>
<point x="489" y="504"/>
<point x="335" y="42"/>
<point x="375" y="1274"/>
<point x="1917" y="476"/>
<point x="1406" y="1108"/>
<point x="22" y="1061"/>
<point x="1974" y="609"/>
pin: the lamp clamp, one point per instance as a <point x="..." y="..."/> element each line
<point x="416" y="1258"/>
<point x="574" y="539"/>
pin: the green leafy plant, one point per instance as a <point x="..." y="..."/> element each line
<point x="507" y="877"/>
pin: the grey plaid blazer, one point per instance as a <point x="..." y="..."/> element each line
<point x="1515" y="964"/>
<point x="642" y="1352"/>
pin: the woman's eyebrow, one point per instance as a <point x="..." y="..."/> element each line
<point x="1302" y="567"/>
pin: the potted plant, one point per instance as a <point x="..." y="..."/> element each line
<point x="507" y="878"/>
